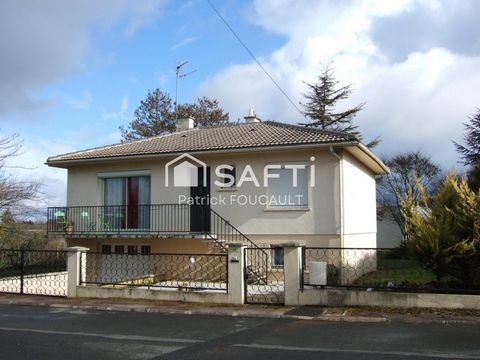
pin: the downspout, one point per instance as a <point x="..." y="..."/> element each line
<point x="340" y="180"/>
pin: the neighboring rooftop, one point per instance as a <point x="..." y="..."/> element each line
<point x="231" y="136"/>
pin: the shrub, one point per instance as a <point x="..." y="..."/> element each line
<point x="444" y="230"/>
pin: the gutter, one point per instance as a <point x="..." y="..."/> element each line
<point x="379" y="162"/>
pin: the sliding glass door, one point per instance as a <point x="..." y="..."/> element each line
<point x="127" y="202"/>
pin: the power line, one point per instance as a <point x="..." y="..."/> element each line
<point x="254" y="57"/>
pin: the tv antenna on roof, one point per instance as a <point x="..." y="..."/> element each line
<point x="180" y="74"/>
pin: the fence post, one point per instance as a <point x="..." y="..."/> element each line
<point x="22" y="269"/>
<point x="292" y="270"/>
<point x="236" y="270"/>
<point x="74" y="268"/>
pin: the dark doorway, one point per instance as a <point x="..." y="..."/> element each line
<point x="200" y="210"/>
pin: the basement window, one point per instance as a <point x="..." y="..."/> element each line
<point x="146" y="249"/>
<point x="277" y="257"/>
<point x="132" y="249"/>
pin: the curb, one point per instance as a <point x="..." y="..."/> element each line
<point x="199" y="311"/>
<point x="148" y="309"/>
<point x="242" y="312"/>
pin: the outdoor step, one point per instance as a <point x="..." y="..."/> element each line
<point x="214" y="241"/>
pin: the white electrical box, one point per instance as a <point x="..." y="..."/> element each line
<point x="318" y="273"/>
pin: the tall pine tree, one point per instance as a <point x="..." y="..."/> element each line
<point x="322" y="99"/>
<point x="470" y="152"/>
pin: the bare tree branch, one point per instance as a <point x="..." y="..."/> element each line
<point x="405" y="170"/>
<point x="14" y="192"/>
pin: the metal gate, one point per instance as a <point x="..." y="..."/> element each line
<point x="34" y="272"/>
<point x="264" y="278"/>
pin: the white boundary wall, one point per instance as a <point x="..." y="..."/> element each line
<point x="294" y="295"/>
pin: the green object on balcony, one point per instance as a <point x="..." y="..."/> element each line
<point x="59" y="213"/>
<point x="84" y="213"/>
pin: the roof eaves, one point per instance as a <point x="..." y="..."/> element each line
<point x="50" y="162"/>
<point x="374" y="157"/>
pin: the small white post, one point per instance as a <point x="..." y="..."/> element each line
<point x="75" y="268"/>
<point x="236" y="269"/>
<point x="292" y="267"/>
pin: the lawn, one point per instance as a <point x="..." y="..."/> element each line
<point x="397" y="273"/>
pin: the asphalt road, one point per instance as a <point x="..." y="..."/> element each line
<point x="57" y="333"/>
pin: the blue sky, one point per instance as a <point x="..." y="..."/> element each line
<point x="73" y="72"/>
<point x="117" y="69"/>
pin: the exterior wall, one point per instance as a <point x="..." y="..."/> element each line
<point x="388" y="234"/>
<point x="165" y="295"/>
<point x="317" y="240"/>
<point x="319" y="225"/>
<point x="168" y="246"/>
<point x="359" y="220"/>
<point x="321" y="217"/>
<point x="350" y="297"/>
<point x="84" y="186"/>
<point x="359" y="204"/>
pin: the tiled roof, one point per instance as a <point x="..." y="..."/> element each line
<point x="233" y="136"/>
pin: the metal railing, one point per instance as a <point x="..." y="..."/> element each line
<point x="264" y="280"/>
<point x="156" y="270"/>
<point x="108" y="219"/>
<point x="179" y="219"/>
<point x="228" y="233"/>
<point x="376" y="269"/>
<point x="172" y="219"/>
<point x="36" y="272"/>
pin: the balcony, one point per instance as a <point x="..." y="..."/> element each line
<point x="155" y="220"/>
<point x="152" y="221"/>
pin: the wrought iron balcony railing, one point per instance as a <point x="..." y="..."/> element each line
<point x="153" y="219"/>
<point x="160" y="218"/>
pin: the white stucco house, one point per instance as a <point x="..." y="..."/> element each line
<point x="254" y="182"/>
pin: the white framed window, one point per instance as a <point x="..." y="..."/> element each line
<point x="289" y="188"/>
<point x="127" y="202"/>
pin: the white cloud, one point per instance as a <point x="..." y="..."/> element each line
<point x="124" y="104"/>
<point x="121" y="114"/>
<point x="42" y="42"/>
<point x="184" y="42"/>
<point x="82" y="102"/>
<point x="185" y="6"/>
<point x="142" y="13"/>
<point x="163" y="79"/>
<point x="417" y="103"/>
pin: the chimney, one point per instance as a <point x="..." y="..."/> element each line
<point x="185" y="124"/>
<point x="251" y="118"/>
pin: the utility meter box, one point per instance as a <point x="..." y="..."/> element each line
<point x="318" y="273"/>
